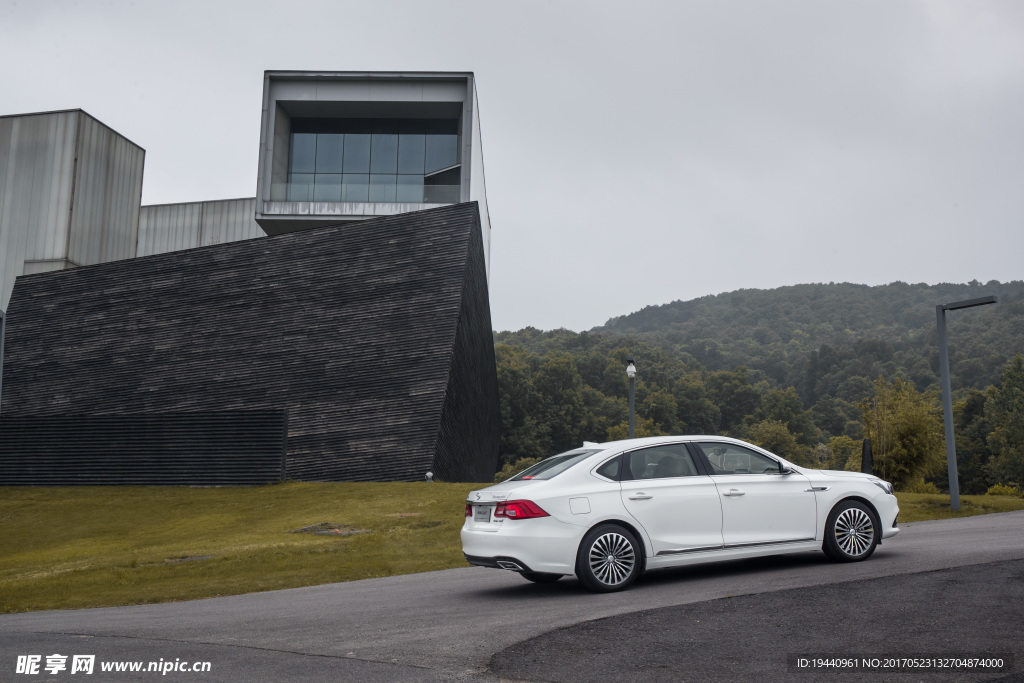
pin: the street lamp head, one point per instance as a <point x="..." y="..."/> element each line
<point x="630" y="368"/>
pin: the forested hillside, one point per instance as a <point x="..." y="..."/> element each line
<point x="806" y="371"/>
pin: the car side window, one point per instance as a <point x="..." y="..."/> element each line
<point x="659" y="462"/>
<point x="727" y="458"/>
<point x="610" y="470"/>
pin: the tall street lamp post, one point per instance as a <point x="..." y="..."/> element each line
<point x="631" y="373"/>
<point x="947" y="401"/>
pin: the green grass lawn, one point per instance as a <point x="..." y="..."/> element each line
<point x="917" y="507"/>
<point x="79" y="547"/>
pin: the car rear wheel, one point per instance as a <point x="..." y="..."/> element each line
<point x="851" y="532"/>
<point x="540" y="577"/>
<point x="608" y="559"/>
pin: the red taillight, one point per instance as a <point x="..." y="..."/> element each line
<point x="519" y="509"/>
<point x="469" y="510"/>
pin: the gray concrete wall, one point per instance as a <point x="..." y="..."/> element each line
<point x="69" y="194"/>
<point x="173" y="227"/>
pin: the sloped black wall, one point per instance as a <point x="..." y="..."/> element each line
<point x="197" y="449"/>
<point x="352" y="329"/>
<point x="471" y="418"/>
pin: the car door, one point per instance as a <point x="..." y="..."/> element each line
<point x="760" y="505"/>
<point x="673" y="501"/>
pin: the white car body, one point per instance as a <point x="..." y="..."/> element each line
<point x="679" y="520"/>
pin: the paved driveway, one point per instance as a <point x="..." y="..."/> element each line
<point x="446" y="625"/>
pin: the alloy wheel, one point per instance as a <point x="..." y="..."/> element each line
<point x="854" y="531"/>
<point x="611" y="558"/>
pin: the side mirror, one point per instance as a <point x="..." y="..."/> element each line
<point x="787" y="470"/>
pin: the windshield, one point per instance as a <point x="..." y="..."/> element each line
<point x="555" y="465"/>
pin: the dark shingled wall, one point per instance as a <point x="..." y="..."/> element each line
<point x="375" y="336"/>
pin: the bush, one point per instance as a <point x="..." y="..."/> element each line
<point x="1000" y="490"/>
<point x="511" y="469"/>
<point x="920" y="486"/>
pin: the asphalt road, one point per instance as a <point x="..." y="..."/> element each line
<point x="448" y="625"/>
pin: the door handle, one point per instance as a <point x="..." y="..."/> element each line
<point x="733" y="492"/>
<point x="641" y="496"/>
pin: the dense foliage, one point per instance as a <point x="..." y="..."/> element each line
<point x="806" y="371"/>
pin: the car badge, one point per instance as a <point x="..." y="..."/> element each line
<point x="478" y="496"/>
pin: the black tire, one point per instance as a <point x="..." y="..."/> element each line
<point x="540" y="577"/>
<point x="609" y="559"/>
<point x="852" y="532"/>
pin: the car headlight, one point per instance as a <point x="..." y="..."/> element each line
<point x="884" y="485"/>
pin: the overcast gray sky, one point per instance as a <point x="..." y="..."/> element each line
<point x="636" y="153"/>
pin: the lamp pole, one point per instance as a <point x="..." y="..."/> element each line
<point x="631" y="373"/>
<point x="947" y="400"/>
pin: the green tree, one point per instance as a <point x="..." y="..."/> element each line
<point x="972" y="451"/>
<point x="905" y="428"/>
<point x="774" y="435"/>
<point x="734" y="395"/>
<point x="524" y="434"/>
<point x="695" y="413"/>
<point x="559" y="384"/>
<point x="642" y="426"/>
<point x="660" y="406"/>
<point x="784" y="405"/>
<point x="845" y="454"/>
<point x="1005" y="412"/>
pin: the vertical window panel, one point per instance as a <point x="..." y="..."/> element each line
<point x="357" y="153"/>
<point x="442" y="151"/>
<point x="328" y="152"/>
<point x="302" y="155"/>
<point x="384" y="153"/>
<point x="327" y="187"/>
<point x="410" y="153"/>
<point x="382" y="188"/>
<point x="355" y="186"/>
<point x="410" y="189"/>
<point x="300" y="187"/>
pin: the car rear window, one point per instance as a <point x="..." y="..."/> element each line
<point x="555" y="465"/>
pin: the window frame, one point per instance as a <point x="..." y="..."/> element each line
<point x="697" y="451"/>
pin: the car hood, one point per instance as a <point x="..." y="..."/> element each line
<point x="840" y="474"/>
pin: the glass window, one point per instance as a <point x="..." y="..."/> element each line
<point x="355" y="187"/>
<point x="610" y="470"/>
<point x="357" y="153"/>
<point x="410" y="189"/>
<point x="328" y="153"/>
<point x="555" y="465"/>
<point x="727" y="458"/>
<point x="327" y="187"/>
<point x="300" y="187"/>
<point x="660" y="462"/>
<point x="382" y="188"/>
<point x="384" y="153"/>
<point x="442" y="151"/>
<point x="410" y="154"/>
<point x="302" y="156"/>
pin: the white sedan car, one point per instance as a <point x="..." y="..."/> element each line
<point x="607" y="512"/>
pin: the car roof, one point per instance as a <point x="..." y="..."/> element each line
<point x="654" y="440"/>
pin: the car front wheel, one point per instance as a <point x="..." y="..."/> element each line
<point x="608" y="559"/>
<point x="851" y="534"/>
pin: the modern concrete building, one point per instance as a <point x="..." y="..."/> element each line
<point x="174" y="227"/>
<point x="344" y="146"/>
<point x="344" y="307"/>
<point x="334" y="147"/>
<point x="70" y="189"/>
